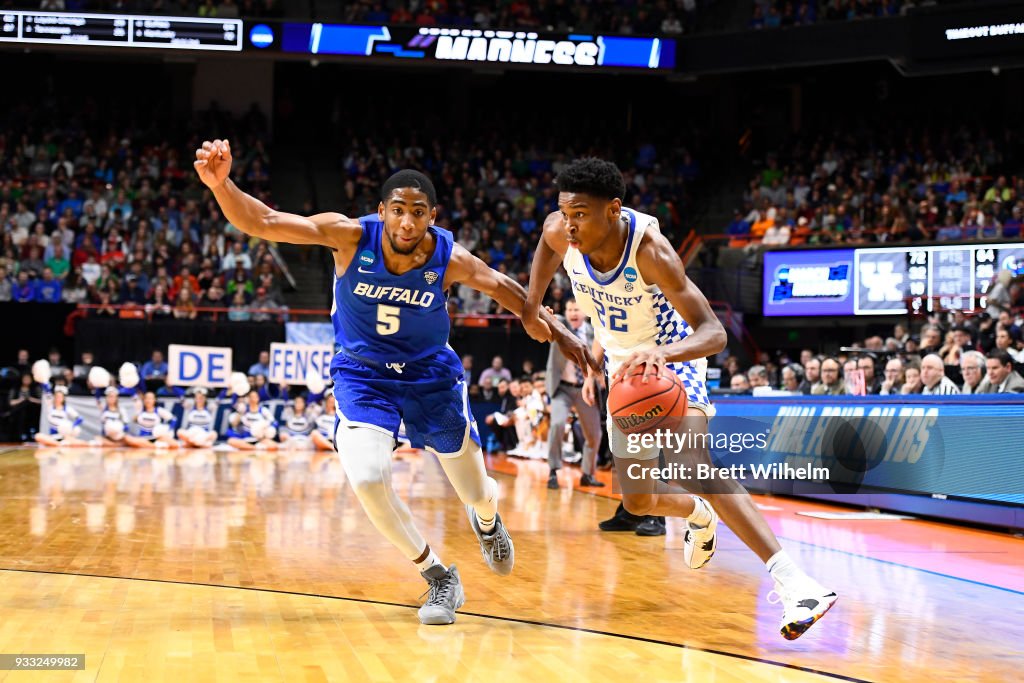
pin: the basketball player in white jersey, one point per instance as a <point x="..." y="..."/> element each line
<point x="646" y="313"/>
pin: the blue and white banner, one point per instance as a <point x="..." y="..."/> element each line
<point x="294" y="363"/>
<point x="202" y="366"/>
<point x="958" y="446"/>
<point x="309" y="333"/>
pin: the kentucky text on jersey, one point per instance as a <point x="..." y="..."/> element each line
<point x="398" y="294"/>
<point x="598" y="295"/>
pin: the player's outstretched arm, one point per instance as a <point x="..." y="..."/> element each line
<point x="660" y="265"/>
<point x="467" y="269"/>
<point x="546" y="261"/>
<point x="253" y="217"/>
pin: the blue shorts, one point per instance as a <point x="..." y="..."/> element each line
<point x="429" y="395"/>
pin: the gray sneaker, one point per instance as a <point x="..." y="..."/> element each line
<point x="496" y="547"/>
<point x="444" y="595"/>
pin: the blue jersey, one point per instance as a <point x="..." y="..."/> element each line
<point x="386" y="318"/>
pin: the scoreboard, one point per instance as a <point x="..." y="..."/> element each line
<point x="120" y="30"/>
<point x="884" y="280"/>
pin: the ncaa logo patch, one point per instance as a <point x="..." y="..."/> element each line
<point x="366" y="258"/>
<point x="630" y="274"/>
<point x="430" y="276"/>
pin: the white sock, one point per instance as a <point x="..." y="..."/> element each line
<point x="486" y="525"/>
<point x="431" y="560"/>
<point x="701" y="515"/>
<point x="784" y="570"/>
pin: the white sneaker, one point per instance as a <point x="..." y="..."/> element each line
<point x="801" y="607"/>
<point x="699" y="542"/>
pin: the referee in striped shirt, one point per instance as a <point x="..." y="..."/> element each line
<point x="933" y="377"/>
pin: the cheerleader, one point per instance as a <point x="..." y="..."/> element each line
<point x="197" y="430"/>
<point x="252" y="425"/>
<point x="297" y="425"/>
<point x="156" y="426"/>
<point x="65" y="422"/>
<point x="323" y="436"/>
<point x="112" y="417"/>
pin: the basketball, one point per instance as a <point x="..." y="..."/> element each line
<point x="637" y="407"/>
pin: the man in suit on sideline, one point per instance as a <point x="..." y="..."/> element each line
<point x="565" y="387"/>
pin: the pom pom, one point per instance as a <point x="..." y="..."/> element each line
<point x="99" y="378"/>
<point x="65" y="428"/>
<point x="315" y="383"/>
<point x="41" y="371"/>
<point x="161" y="430"/>
<point x="128" y="376"/>
<point x="258" y="429"/>
<point x="113" y="430"/>
<point x="269" y="432"/>
<point x="239" y="383"/>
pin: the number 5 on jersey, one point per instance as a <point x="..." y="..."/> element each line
<point x="387" y="319"/>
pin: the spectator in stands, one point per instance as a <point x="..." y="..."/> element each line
<point x="467" y="372"/>
<point x="25" y="401"/>
<point x="47" y="289"/>
<point x="866" y="364"/>
<point x="972" y="367"/>
<point x="240" y="284"/>
<point x="812" y="374"/>
<point x="739" y="382"/>
<point x="490" y="377"/>
<point x="757" y="375"/>
<point x="261" y="306"/>
<point x="24" y="288"/>
<point x="184" y="306"/>
<point x="239" y="310"/>
<point x="1007" y="339"/>
<point x="6" y="286"/>
<point x="262" y="366"/>
<point x="933" y="377"/>
<point x="132" y="293"/>
<point x="831" y="383"/>
<point x="155" y="368"/>
<point x="912" y="378"/>
<point x="931" y="339"/>
<point x="1001" y="377"/>
<point x="894" y="379"/>
<point x="792" y="375"/>
<point x="158" y="304"/>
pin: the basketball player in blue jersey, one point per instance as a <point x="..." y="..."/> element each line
<point x="392" y="270"/>
<point x="646" y="313"/>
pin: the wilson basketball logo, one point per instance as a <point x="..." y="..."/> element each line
<point x="633" y="420"/>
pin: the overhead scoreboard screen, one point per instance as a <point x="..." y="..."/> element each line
<point x="884" y="280"/>
<point x="120" y="30"/>
<point x="470" y="46"/>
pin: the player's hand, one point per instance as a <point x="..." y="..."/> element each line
<point x="652" y="361"/>
<point x="213" y="162"/>
<point x="590" y="385"/>
<point x="575" y="350"/>
<point x="535" y="327"/>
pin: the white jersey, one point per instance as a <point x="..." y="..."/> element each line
<point x="63" y="419"/>
<point x="325" y="424"/>
<point x="629" y="315"/>
<point x="249" y="419"/>
<point x="199" y="417"/>
<point x="114" y="415"/>
<point x="296" y="424"/>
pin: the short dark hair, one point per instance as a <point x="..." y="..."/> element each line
<point x="592" y="176"/>
<point x="1003" y="357"/>
<point x="409" y="178"/>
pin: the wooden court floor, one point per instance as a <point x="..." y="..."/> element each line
<point x="203" y="566"/>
